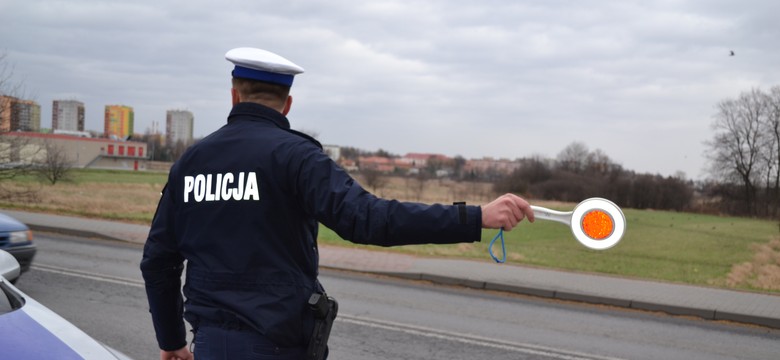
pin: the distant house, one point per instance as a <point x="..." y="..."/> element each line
<point x="491" y="165"/>
<point x="420" y="160"/>
<point x="348" y="165"/>
<point x="378" y="163"/>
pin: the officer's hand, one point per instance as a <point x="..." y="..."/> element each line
<point x="506" y="212"/>
<point x="181" y="354"/>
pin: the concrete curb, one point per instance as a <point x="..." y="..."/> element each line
<point x="676" y="310"/>
<point x="75" y="232"/>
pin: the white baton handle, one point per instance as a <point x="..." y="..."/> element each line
<point x="552" y="215"/>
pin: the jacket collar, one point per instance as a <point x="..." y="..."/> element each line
<point x="256" y="112"/>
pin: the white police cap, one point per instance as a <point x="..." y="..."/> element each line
<point x="262" y="65"/>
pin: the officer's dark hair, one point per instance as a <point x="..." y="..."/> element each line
<point x="261" y="92"/>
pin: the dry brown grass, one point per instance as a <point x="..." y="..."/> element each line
<point x="136" y="202"/>
<point x="127" y="202"/>
<point x="763" y="272"/>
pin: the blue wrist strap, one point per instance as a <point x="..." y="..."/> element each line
<point x="503" y="247"/>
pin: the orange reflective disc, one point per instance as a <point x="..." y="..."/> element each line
<point x="597" y="224"/>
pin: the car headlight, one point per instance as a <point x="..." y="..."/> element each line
<point x="18" y="237"/>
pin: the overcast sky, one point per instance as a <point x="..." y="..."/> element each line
<point x="506" y="79"/>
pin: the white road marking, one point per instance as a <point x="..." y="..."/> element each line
<point x="89" y="275"/>
<point x="530" y="349"/>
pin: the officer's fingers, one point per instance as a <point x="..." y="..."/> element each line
<point x="509" y="224"/>
<point x="517" y="206"/>
<point x="526" y="209"/>
<point x="510" y="218"/>
<point x="529" y="214"/>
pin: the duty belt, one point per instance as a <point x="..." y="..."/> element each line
<point x="234" y="324"/>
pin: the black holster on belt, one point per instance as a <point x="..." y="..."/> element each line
<point x="325" y="309"/>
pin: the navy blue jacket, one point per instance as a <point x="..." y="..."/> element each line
<point x="242" y="206"/>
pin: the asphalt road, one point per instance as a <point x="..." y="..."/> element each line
<point x="97" y="286"/>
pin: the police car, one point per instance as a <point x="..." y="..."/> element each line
<point x="29" y="330"/>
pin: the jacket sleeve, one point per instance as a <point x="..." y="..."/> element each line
<point x="337" y="201"/>
<point x="161" y="268"/>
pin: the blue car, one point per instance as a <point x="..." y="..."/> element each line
<point x="17" y="239"/>
<point x="29" y="330"/>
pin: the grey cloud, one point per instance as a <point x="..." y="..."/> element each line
<point x="476" y="78"/>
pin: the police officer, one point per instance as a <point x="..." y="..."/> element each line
<point x="242" y="207"/>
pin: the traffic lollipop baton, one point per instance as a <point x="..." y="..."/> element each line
<point x="596" y="223"/>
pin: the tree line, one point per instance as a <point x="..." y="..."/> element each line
<point x="578" y="173"/>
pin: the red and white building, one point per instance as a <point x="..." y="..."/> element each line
<point x="81" y="152"/>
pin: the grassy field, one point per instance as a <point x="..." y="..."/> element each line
<point x="668" y="246"/>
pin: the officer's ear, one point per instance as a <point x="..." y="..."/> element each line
<point x="287" y="105"/>
<point x="235" y="96"/>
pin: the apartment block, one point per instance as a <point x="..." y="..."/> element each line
<point x="67" y="115"/>
<point x="119" y="121"/>
<point x="178" y="127"/>
<point x="19" y="115"/>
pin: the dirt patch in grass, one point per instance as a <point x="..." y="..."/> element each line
<point x="763" y="272"/>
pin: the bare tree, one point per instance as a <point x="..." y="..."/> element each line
<point x="458" y="163"/>
<point x="418" y="184"/>
<point x="598" y="163"/>
<point x="374" y="179"/>
<point x="54" y="165"/>
<point x="773" y="150"/>
<point x="8" y="87"/>
<point x="178" y="149"/>
<point x="574" y="158"/>
<point x="740" y="136"/>
<point x="14" y="150"/>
